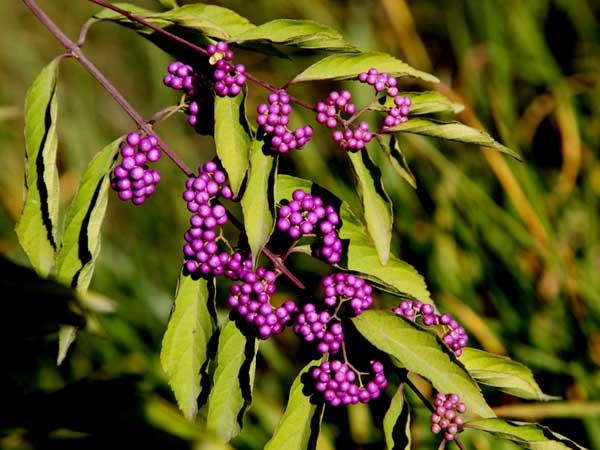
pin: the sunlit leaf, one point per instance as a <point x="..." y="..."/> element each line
<point x="452" y="131"/>
<point x="300" y="424"/>
<point x="232" y="137"/>
<point x="527" y="435"/>
<point x="258" y="203"/>
<point x="185" y="344"/>
<point x="422" y="352"/>
<point x="376" y="203"/>
<point x="233" y="380"/>
<point x="341" y="67"/>
<point x="36" y="228"/>
<point x="502" y="373"/>
<point x="305" y="34"/>
<point x="396" y="422"/>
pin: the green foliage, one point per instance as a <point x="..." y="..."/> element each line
<point x="376" y="203"/>
<point x="299" y="426"/>
<point x="396" y="423"/>
<point x="233" y="138"/>
<point x="37" y="227"/>
<point x="343" y="67"/>
<point x="185" y="347"/>
<point x="452" y="131"/>
<point x="419" y="351"/>
<point x="527" y="435"/>
<point x="502" y="373"/>
<point x="233" y="380"/>
<point x="258" y="203"/>
<point x="304" y="34"/>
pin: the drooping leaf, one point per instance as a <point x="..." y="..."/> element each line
<point x="231" y="393"/>
<point x="185" y="343"/>
<point x="232" y="137"/>
<point x="527" y="435"/>
<point x="396" y="422"/>
<point x="36" y="228"/>
<point x="34" y="306"/>
<point x="397" y="277"/>
<point x="424" y="353"/>
<point x="108" y="14"/>
<point x="428" y="102"/>
<point x="342" y="67"/>
<point x="214" y="21"/>
<point x="80" y="247"/>
<point x="258" y="203"/>
<point x="376" y="203"/>
<point x="299" y="427"/>
<point x="396" y="157"/>
<point x="502" y="373"/>
<point x="81" y="238"/>
<point x="452" y="131"/>
<point x="305" y="34"/>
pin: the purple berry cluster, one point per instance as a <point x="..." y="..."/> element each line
<point x="337" y="383"/>
<point x="182" y="77"/>
<point x="250" y="299"/>
<point x="132" y="179"/>
<point x="319" y="327"/>
<point x="329" y="113"/>
<point x="382" y="81"/>
<point x="201" y="251"/>
<point x="305" y="212"/>
<point x="229" y="79"/>
<point x="274" y="118"/>
<point x="455" y="336"/>
<point x="350" y="288"/>
<point x="446" y="418"/>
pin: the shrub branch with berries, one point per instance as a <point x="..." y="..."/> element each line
<point x="363" y="349"/>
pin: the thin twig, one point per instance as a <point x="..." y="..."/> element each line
<point x="194" y="47"/>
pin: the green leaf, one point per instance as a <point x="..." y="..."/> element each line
<point x="258" y="203"/>
<point x="185" y="344"/>
<point x="428" y="102"/>
<point x="397" y="277"/>
<point x="540" y="411"/>
<point x="232" y="138"/>
<point x="169" y="3"/>
<point x="81" y="239"/>
<point x="527" y="435"/>
<point x="214" y="21"/>
<point x="396" y="422"/>
<point x="305" y="34"/>
<point x="232" y="382"/>
<point x="36" y="228"/>
<point x="503" y="373"/>
<point x="452" y="131"/>
<point x="424" y="353"/>
<point x="396" y="157"/>
<point x="376" y="203"/>
<point x="342" y="67"/>
<point x="299" y="427"/>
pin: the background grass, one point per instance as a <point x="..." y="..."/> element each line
<point x="512" y="249"/>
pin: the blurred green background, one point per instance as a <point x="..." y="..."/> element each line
<point x="512" y="249"/>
